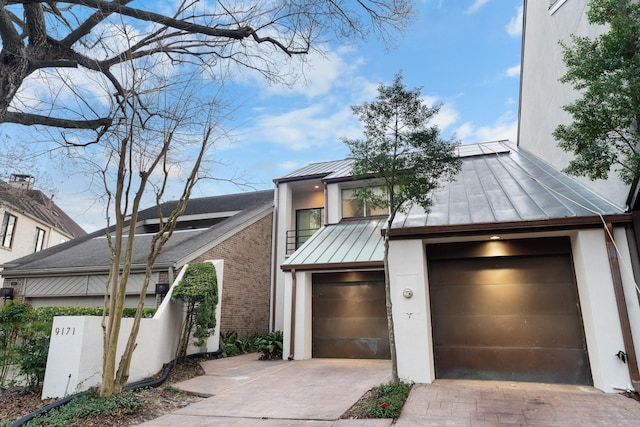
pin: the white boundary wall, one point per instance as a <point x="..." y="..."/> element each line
<point x="74" y="363"/>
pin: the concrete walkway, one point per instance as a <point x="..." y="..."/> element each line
<point x="492" y="403"/>
<point x="249" y="392"/>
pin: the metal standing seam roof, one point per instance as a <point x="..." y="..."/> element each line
<point x="499" y="182"/>
<point x="335" y="169"/>
<point x="507" y="186"/>
<point x="349" y="241"/>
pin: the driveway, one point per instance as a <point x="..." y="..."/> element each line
<point x="247" y="392"/>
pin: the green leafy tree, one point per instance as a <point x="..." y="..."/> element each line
<point x="405" y="156"/>
<point x="198" y="289"/>
<point x="604" y="133"/>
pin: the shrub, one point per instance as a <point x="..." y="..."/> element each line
<point x="25" y="334"/>
<point x="269" y="345"/>
<point x="13" y="317"/>
<point x="389" y="400"/>
<point x="90" y="405"/>
<point x="198" y="289"/>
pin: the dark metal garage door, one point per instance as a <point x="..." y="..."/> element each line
<point x="507" y="311"/>
<point x="349" y="316"/>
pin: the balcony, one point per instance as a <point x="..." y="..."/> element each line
<point x="295" y="238"/>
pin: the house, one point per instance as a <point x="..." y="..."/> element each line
<point x="234" y="228"/>
<point x="31" y="221"/>
<point x="517" y="273"/>
<point x="511" y="276"/>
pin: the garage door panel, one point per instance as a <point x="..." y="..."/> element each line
<point x="512" y="298"/>
<point x="513" y="364"/>
<point x="349" y="316"/>
<point x="354" y="327"/>
<point x="510" y="331"/>
<point x="501" y="270"/>
<point x="351" y="348"/>
<point x="503" y="317"/>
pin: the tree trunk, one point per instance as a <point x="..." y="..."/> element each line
<point x="387" y="287"/>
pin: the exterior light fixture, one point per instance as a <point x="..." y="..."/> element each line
<point x="6" y="293"/>
<point x="494" y="238"/>
<point x="162" y="289"/>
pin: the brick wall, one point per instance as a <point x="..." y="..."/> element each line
<point x="17" y="285"/>
<point x="247" y="278"/>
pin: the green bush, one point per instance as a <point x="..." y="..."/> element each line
<point x="198" y="289"/>
<point x="25" y="333"/>
<point x="13" y="318"/>
<point x="90" y="405"/>
<point x="269" y="345"/>
<point x="389" y="400"/>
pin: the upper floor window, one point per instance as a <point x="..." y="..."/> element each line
<point x="308" y="221"/>
<point x="8" y="228"/>
<point x="39" y="240"/>
<point x="352" y="208"/>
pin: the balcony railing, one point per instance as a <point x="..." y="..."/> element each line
<point x="295" y="238"/>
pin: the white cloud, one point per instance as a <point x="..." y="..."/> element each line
<point x="505" y="127"/>
<point x="513" y="71"/>
<point x="477" y="4"/>
<point x="514" y="27"/>
<point x="319" y="125"/>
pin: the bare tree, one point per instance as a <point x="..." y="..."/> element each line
<point x="40" y="36"/>
<point x="165" y="128"/>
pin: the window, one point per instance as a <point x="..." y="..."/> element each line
<point x="352" y="209"/>
<point x="308" y="221"/>
<point x="8" y="228"/>
<point x="39" y="240"/>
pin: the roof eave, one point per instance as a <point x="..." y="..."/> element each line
<point x="334" y="266"/>
<point x="525" y="226"/>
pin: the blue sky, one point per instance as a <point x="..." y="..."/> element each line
<point x="465" y="54"/>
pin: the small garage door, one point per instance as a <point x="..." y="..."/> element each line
<point x="349" y="316"/>
<point x="507" y="311"/>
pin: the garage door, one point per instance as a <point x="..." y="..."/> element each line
<point x="507" y="311"/>
<point x="349" y="316"/>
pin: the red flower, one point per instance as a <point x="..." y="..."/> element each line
<point x="384" y="404"/>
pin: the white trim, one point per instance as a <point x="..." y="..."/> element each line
<point x="553" y="8"/>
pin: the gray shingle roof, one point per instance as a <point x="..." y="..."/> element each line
<point x="39" y="206"/>
<point x="92" y="253"/>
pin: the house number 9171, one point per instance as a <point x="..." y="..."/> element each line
<point x="65" y="331"/>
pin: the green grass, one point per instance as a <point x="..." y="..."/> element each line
<point x="389" y="400"/>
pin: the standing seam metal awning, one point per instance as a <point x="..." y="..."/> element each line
<point x="349" y="242"/>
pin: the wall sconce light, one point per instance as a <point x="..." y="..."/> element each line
<point x="162" y="289"/>
<point x="6" y="293"/>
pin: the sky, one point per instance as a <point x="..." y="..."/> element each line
<point x="464" y="54"/>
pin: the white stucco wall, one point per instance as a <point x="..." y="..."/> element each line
<point x="75" y="354"/>
<point x="303" y="316"/>
<point x="412" y="316"/>
<point x="543" y="95"/>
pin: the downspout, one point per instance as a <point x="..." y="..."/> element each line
<point x="326" y="204"/>
<point x="274" y="257"/>
<point x="292" y="338"/>
<point x="621" y="303"/>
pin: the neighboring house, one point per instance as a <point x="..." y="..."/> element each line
<point x="511" y="275"/>
<point x="542" y="95"/>
<point x="234" y="228"/>
<point x="31" y="221"/>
